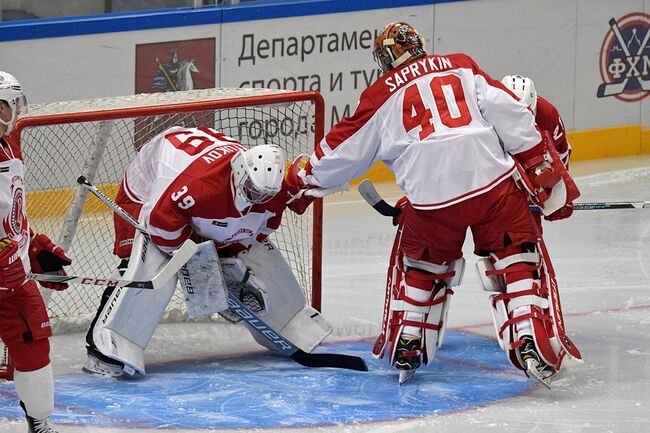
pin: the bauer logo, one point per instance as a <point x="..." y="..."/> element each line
<point x="624" y="58"/>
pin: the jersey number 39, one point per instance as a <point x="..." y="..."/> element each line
<point x="449" y="98"/>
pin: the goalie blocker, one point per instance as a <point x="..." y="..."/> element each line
<point x="128" y="317"/>
<point x="543" y="175"/>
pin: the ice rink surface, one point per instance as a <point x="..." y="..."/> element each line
<point x="213" y="378"/>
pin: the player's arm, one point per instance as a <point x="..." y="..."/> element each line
<point x="512" y="119"/>
<point x="347" y="151"/>
<point x="170" y="217"/>
<point x="539" y="168"/>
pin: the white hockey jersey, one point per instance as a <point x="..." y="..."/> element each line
<point x="444" y="127"/>
<point x="13" y="208"/>
<point x="183" y="178"/>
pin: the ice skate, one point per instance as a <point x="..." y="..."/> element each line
<point x="38" y="425"/>
<point x="535" y="367"/>
<point x="407" y="357"/>
<point x="97" y="363"/>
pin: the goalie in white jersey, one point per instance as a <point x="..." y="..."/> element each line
<point x="199" y="183"/>
<point x="455" y="139"/>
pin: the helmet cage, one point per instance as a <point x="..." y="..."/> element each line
<point x="258" y="173"/>
<point x="397" y="44"/>
<point x="11" y="93"/>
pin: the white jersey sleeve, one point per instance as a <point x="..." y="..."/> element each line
<point x="445" y="129"/>
<point x="511" y="118"/>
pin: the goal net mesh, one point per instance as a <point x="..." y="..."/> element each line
<point x="98" y="139"/>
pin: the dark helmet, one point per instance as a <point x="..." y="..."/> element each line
<point x="397" y="44"/>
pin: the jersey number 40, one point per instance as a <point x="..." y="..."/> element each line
<point x="447" y="94"/>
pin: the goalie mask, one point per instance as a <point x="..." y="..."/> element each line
<point x="397" y="44"/>
<point x="11" y="92"/>
<point x="258" y="173"/>
<point x="523" y="88"/>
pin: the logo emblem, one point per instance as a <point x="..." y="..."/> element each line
<point x="624" y="58"/>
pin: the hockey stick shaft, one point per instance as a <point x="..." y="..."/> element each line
<point x="111" y="204"/>
<point x="175" y="263"/>
<point x="283" y="345"/>
<point x="289" y="349"/>
<point x="182" y="255"/>
<point x="372" y="197"/>
<point x="104" y="282"/>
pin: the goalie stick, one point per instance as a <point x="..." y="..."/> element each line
<point x="372" y="197"/>
<point x="289" y="349"/>
<point x="283" y="345"/>
<point x="180" y="257"/>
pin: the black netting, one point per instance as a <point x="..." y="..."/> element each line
<point x="57" y="154"/>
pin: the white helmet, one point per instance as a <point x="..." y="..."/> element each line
<point x="258" y="173"/>
<point x="524" y="88"/>
<point x="12" y="93"/>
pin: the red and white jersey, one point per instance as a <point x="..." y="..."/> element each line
<point x="13" y="209"/>
<point x="548" y="119"/>
<point x="444" y="127"/>
<point x="183" y="178"/>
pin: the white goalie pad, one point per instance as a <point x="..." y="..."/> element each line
<point x="203" y="283"/>
<point x="130" y="316"/>
<point x="286" y="309"/>
<point x="404" y="311"/>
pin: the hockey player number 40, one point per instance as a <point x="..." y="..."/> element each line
<point x="447" y="94"/>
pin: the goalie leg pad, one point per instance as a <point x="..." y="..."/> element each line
<point x="523" y="305"/>
<point x="130" y="316"/>
<point x="285" y="305"/>
<point x="420" y="304"/>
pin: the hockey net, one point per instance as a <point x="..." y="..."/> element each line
<point x="98" y="139"/>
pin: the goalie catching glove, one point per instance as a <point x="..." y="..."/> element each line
<point x="47" y="258"/>
<point x="542" y="174"/>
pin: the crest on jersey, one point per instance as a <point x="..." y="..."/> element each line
<point x="15" y="225"/>
<point x="625" y="58"/>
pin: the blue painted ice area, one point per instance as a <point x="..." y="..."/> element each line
<point x="263" y="390"/>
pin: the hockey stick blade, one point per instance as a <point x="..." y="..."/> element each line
<point x="372" y="197"/>
<point x="611" y="89"/>
<point x="180" y="257"/>
<point x="287" y="348"/>
<point x="184" y="253"/>
<point x="332" y="360"/>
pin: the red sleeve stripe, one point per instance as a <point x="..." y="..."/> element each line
<point x="167" y="244"/>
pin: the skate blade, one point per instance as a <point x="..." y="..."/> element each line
<point x="405" y="375"/>
<point x="97" y="367"/>
<point x="533" y="372"/>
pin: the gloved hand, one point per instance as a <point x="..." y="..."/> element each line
<point x="564" y="212"/>
<point x="45" y="257"/>
<point x="12" y="272"/>
<point x="297" y="201"/>
<point x="401" y="204"/>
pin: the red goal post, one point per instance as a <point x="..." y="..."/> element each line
<point x="98" y="138"/>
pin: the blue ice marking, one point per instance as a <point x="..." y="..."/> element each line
<point x="266" y="390"/>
